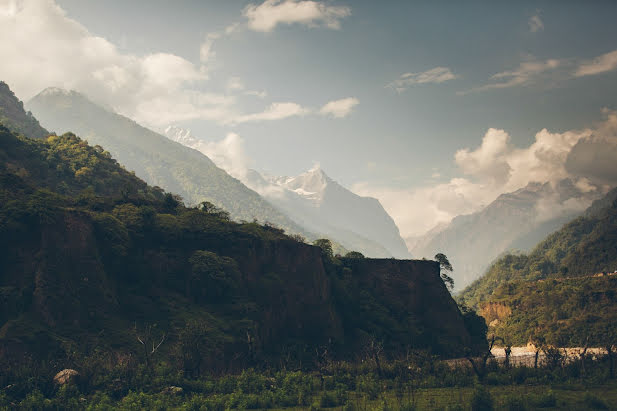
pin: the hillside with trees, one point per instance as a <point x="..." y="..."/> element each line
<point x="156" y="159"/>
<point x="583" y="247"/>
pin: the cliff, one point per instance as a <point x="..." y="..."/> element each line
<point x="61" y="287"/>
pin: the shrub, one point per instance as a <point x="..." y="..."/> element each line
<point x="544" y="400"/>
<point x="481" y="400"/>
<point x="594" y="402"/>
<point x="514" y="403"/>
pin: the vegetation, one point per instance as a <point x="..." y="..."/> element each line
<point x="158" y="160"/>
<point x="565" y="312"/>
<point x="13" y="116"/>
<point x="416" y="382"/>
<point x="120" y="263"/>
<point x="583" y="247"/>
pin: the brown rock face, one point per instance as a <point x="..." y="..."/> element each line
<point x="495" y="312"/>
<point x="288" y="294"/>
<point x="65" y="376"/>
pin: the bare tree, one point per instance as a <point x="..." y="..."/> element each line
<point x="479" y="365"/>
<point x="373" y="350"/>
<point x="148" y="342"/>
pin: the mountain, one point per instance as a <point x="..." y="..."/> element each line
<point x="514" y="221"/>
<point x="317" y="202"/>
<point x="564" y="292"/>
<point x="13" y="116"/>
<point x="155" y="158"/>
<point x="93" y="261"/>
<point x="585" y="246"/>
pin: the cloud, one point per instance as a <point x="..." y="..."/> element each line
<point x="228" y="153"/>
<point x="339" y="108"/>
<point x="496" y="167"/>
<point x="602" y="64"/>
<point x="42" y="47"/>
<point x="535" y="23"/>
<point x="276" y="111"/>
<point x="489" y="161"/>
<point x="595" y="156"/>
<point x="205" y="50"/>
<point x="527" y="73"/>
<point x="435" y="75"/>
<point x="266" y="16"/>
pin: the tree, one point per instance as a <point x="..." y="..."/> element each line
<point x="354" y="254"/>
<point x="445" y="268"/>
<point x="325" y="245"/>
<point x="211" y="209"/>
<point x="147" y="339"/>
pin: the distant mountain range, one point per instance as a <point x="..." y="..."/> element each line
<point x="514" y="221"/>
<point x="321" y="205"/>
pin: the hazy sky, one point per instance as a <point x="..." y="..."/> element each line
<point x="434" y="107"/>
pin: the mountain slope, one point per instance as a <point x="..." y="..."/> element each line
<point x="13" y="116"/>
<point x="583" y="247"/>
<point x="156" y="159"/>
<point x="88" y="268"/>
<point x="513" y="221"/>
<point x="320" y="204"/>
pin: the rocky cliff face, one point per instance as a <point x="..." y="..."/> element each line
<point x="55" y="286"/>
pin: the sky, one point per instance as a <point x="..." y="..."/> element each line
<point x="435" y="108"/>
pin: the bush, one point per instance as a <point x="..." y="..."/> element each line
<point x="481" y="400"/>
<point x="514" y="403"/>
<point x="594" y="402"/>
<point x="544" y="400"/>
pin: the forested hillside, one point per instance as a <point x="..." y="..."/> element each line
<point x="583" y="247"/>
<point x="155" y="158"/>
<point x="571" y="312"/>
<point x="12" y="115"/>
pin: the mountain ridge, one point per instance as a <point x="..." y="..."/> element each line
<point x="316" y="201"/>
<point x="515" y="220"/>
<point x="155" y="158"/>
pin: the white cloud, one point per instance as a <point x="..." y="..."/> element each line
<point x="339" y="108"/>
<point x="526" y="73"/>
<point x="535" y="23"/>
<point x="205" y="50"/>
<point x="435" y="75"/>
<point x="235" y="83"/>
<point x="42" y="47"/>
<point x="228" y="153"/>
<point x="266" y="16"/>
<point x="602" y="64"/>
<point x="276" y="111"/>
<point x="489" y="160"/>
<point x="494" y="167"/>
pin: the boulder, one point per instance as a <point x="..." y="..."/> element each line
<point x="172" y="390"/>
<point x="65" y="376"/>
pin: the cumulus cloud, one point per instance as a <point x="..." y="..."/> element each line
<point x="276" y="111"/>
<point x="42" y="47"/>
<point x="435" y="75"/>
<point x="595" y="156"/>
<point x="496" y="167"/>
<point x="339" y="108"/>
<point x="601" y="64"/>
<point x="266" y="16"/>
<point x="535" y="23"/>
<point x="489" y="161"/>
